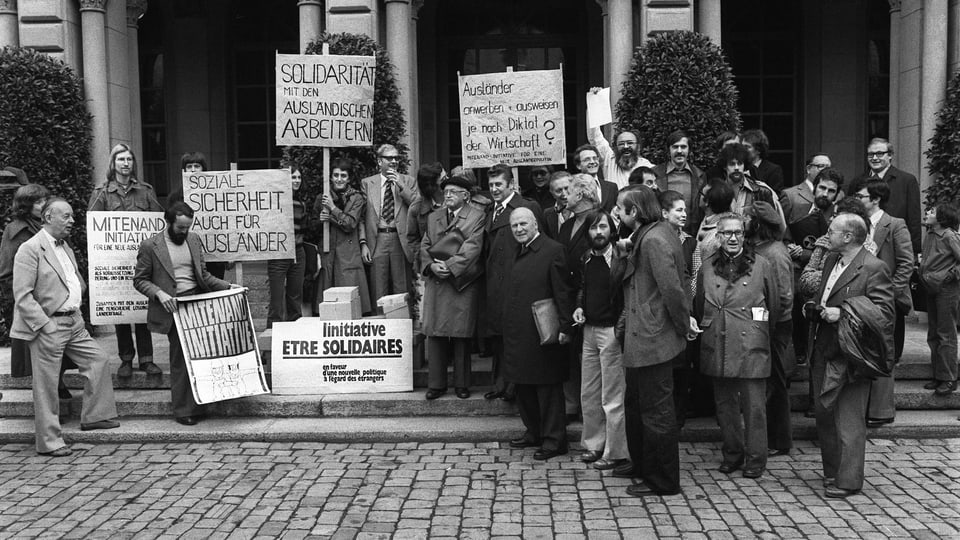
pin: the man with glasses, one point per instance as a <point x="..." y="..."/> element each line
<point x="904" y="200"/>
<point x="588" y="163"/>
<point x="389" y="195"/>
<point x="797" y="201"/>
<point x="621" y="160"/>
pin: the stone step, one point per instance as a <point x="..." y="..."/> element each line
<point x="493" y="430"/>
<point x="910" y="395"/>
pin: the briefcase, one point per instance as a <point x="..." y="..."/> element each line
<point x="547" y="318"/>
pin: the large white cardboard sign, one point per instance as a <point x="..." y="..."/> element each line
<point x="514" y="118"/>
<point x="113" y="239"/>
<point x="310" y="356"/>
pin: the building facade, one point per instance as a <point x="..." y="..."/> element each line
<point x="183" y="75"/>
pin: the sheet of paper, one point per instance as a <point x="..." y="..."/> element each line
<point x="598" y="108"/>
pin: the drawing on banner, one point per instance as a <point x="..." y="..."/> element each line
<point x="514" y="118"/>
<point x="113" y="239"/>
<point x="220" y="346"/>
<point x="325" y="100"/>
<point x="242" y="215"/>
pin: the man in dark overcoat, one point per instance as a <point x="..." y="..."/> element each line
<point x="538" y="272"/>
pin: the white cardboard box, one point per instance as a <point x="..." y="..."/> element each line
<point x="341" y="294"/>
<point x="394" y="306"/>
<point x="338" y="311"/>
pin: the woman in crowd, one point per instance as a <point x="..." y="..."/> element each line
<point x="343" y="209"/>
<point x="285" y="276"/>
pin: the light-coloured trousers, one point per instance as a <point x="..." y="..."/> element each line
<point x="601" y="393"/>
<point x="46" y="353"/>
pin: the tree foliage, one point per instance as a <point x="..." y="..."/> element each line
<point x="389" y="124"/>
<point x="45" y="130"/>
<point x="943" y="156"/>
<point x="679" y="80"/>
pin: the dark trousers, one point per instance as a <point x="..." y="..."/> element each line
<point x="181" y="396"/>
<point x="439" y="350"/>
<point x="286" y="288"/>
<point x="653" y="437"/>
<point x="125" y="343"/>
<point x="779" y="430"/>
<point x="499" y="384"/>
<point x="541" y="409"/>
<point x="882" y="403"/>
<point x="742" y="415"/>
<point x="942" y="315"/>
<point x="841" y="429"/>
<point x="571" y="387"/>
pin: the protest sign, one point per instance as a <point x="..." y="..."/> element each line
<point x="220" y="346"/>
<point x="242" y="215"/>
<point x="310" y="356"/>
<point x="514" y="118"/>
<point x="325" y="100"/>
<point x="113" y="239"/>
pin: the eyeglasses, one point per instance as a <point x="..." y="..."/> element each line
<point x="589" y="160"/>
<point x="820" y="166"/>
<point x="834" y="231"/>
<point x="877" y="154"/>
<point x="390" y="158"/>
<point x="622" y="144"/>
<point x="730" y="234"/>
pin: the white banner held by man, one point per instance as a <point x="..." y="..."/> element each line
<point x="325" y="100"/>
<point x="514" y="117"/>
<point x="220" y="346"/>
<point x="113" y="239"/>
<point x="242" y="215"/>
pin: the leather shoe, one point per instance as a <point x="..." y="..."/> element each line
<point x="150" y="368"/>
<point x="829" y="481"/>
<point x="835" y="492"/>
<point x="523" y="442"/>
<point x="493" y="394"/>
<point x="624" y="470"/>
<point x="509" y="398"/>
<point x="877" y="422"/>
<point x="932" y="385"/>
<point x="463" y="393"/>
<point x="774" y="452"/>
<point x="590" y="456"/>
<point x="543" y="454"/>
<point x="727" y="468"/>
<point x="187" y="420"/>
<point x="59" y="452"/>
<point x="946" y="388"/>
<point x="607" y="464"/>
<point x="103" y="424"/>
<point x="752" y="473"/>
<point x="434" y="394"/>
<point x="126" y="370"/>
<point x="643" y="490"/>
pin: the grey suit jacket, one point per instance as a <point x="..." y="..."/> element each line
<point x="371" y="187"/>
<point x="154" y="273"/>
<point x="895" y="248"/>
<point x="39" y="286"/>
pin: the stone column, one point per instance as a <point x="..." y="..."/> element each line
<point x="311" y="13"/>
<point x="413" y="121"/>
<point x="709" y="13"/>
<point x="398" y="46"/>
<point x="934" y="77"/>
<point x="135" y="10"/>
<point x="9" y="26"/>
<point x="620" y="43"/>
<point x="92" y="15"/>
<point x="894" y="113"/>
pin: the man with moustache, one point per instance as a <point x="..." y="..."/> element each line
<point x="680" y="175"/>
<point x="500" y="250"/>
<point x="621" y="160"/>
<point x="904" y="202"/>
<point x="170" y="264"/>
<point x="797" y="200"/>
<point x="555" y="215"/>
<point x="47" y="291"/>
<point x="588" y="163"/>
<point x="538" y="272"/>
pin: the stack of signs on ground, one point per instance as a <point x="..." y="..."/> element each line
<point x="220" y="346"/>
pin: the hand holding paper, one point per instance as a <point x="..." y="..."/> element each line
<point x="598" y="108"/>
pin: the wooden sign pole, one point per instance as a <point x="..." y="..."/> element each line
<point x="238" y="266"/>
<point x="326" y="177"/>
<point x="515" y="170"/>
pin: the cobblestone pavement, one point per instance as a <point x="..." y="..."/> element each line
<point x="435" y="490"/>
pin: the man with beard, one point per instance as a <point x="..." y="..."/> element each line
<point x="540" y="190"/>
<point x="797" y="200"/>
<point x="620" y="161"/>
<point x="588" y="163"/>
<point x="557" y="214"/>
<point x="746" y="190"/>
<point x="679" y="174"/>
<point x="599" y="303"/>
<point x="170" y="264"/>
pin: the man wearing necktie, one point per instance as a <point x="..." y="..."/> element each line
<point x="904" y="202"/>
<point x="389" y="195"/>
<point x="588" y="162"/>
<point x="849" y="272"/>
<point x="47" y="289"/>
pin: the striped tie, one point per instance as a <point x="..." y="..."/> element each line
<point x="497" y="212"/>
<point x="388" y="202"/>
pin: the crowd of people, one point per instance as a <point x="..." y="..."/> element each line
<point x="630" y="294"/>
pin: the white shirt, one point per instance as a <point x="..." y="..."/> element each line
<point x="503" y="205"/>
<point x="874" y="221"/>
<point x="832" y="279"/>
<point x="611" y="171"/>
<point x="70" y="272"/>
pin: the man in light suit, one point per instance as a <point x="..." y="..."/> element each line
<point x="47" y="290"/>
<point x="850" y="271"/>
<point x="894" y="248"/>
<point x="389" y="195"/>
<point x="170" y="264"/>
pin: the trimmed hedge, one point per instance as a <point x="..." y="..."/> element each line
<point x="944" y="153"/>
<point x="679" y="80"/>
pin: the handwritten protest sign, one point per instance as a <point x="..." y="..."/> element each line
<point x="325" y="100"/>
<point x="242" y="215"/>
<point x="310" y="356"/>
<point x="220" y="346"/>
<point x="514" y="118"/>
<point x="113" y="239"/>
